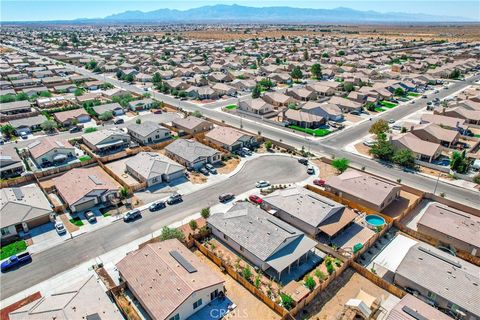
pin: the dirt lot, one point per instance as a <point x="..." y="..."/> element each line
<point x="363" y="149"/>
<point x="330" y="303"/>
<point x="352" y="118"/>
<point x="326" y="170"/>
<point x="435" y="173"/>
<point x="228" y="166"/>
<point x="248" y="307"/>
<point x="197" y="178"/>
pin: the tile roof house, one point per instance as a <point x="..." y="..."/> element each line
<point x="257" y="106"/>
<point x="362" y="188"/>
<point x="65" y="118"/>
<point x="303" y="119"/>
<point x="191" y="125"/>
<point x="452" y="227"/>
<point x="345" y="104"/>
<point x="264" y="240"/>
<point x="168" y="280"/>
<point x="142" y="104"/>
<point x="326" y="110"/>
<point x="29" y="124"/>
<point x="22" y="207"/>
<point x="93" y="187"/>
<point x="51" y="151"/>
<point x="83" y="299"/>
<point x="421" y="149"/>
<point x="434" y="133"/>
<point x="446" y="122"/>
<point x="15" y="107"/>
<point x="154" y="168"/>
<point x="470" y="116"/>
<point x="309" y="211"/>
<point x="106" y="140"/>
<point x="11" y="164"/>
<point x="192" y="154"/>
<point x="278" y="99"/>
<point x="148" y="132"/>
<point x="229" y="138"/>
<point x="451" y="283"/>
<point x="114" y="108"/>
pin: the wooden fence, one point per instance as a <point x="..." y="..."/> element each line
<point x="235" y="275"/>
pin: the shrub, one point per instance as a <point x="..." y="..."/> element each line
<point x="205" y="213"/>
<point x="287" y="301"/>
<point x="268" y="144"/>
<point x="257" y="282"/>
<point x="341" y="164"/>
<point x="246" y="272"/>
<point x="320" y="275"/>
<point x="193" y="225"/>
<point x="171" y="233"/>
<point x="310" y="283"/>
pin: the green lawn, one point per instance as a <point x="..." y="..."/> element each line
<point x="91" y="129"/>
<point x="231" y="107"/>
<point x="388" y="105"/>
<point x="477" y="135"/>
<point x="84" y="158"/>
<point x="413" y="94"/>
<point x="379" y="110"/>
<point x="106" y="214"/>
<point x="13" y="248"/>
<point x="77" y="221"/>
<point x="313" y="132"/>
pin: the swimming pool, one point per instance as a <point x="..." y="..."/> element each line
<point x="374" y="221"/>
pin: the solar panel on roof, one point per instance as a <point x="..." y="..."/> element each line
<point x="5" y="158"/>
<point x="18" y="193"/>
<point x="413" y="313"/>
<point x="183" y="262"/>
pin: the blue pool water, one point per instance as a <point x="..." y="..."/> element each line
<point x="375" y="220"/>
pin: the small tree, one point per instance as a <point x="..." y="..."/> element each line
<point x="341" y="53"/>
<point x="296" y="73"/>
<point x="459" y="162"/>
<point x="399" y="92"/>
<point x="382" y="149"/>
<point x="348" y="86"/>
<point x="156" y="78"/>
<point x="8" y="130"/>
<point x="268" y="144"/>
<point x="193" y="225"/>
<point x="246" y="272"/>
<point x="378" y="127"/>
<point x="287" y="301"/>
<point x="171" y="233"/>
<point x="48" y="125"/>
<point x="107" y="115"/>
<point x="205" y="213"/>
<point x="123" y="193"/>
<point x="257" y="91"/>
<point x="341" y="164"/>
<point x="316" y="71"/>
<point x="404" y="158"/>
<point x="138" y="121"/>
<point x="197" y="114"/>
<point x="305" y="55"/>
<point x="320" y="275"/>
<point x="129" y="78"/>
<point x="310" y="283"/>
<point x="257" y="281"/>
<point x="370" y="106"/>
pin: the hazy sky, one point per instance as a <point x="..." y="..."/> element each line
<point x="39" y="10"/>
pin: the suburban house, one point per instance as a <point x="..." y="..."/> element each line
<point x="115" y="108"/>
<point x="412" y="308"/>
<point x="362" y="188"/>
<point x="308" y="211"/>
<point x="303" y="119"/>
<point x="28" y="125"/>
<point x="168" y="280"/>
<point x="422" y="150"/>
<point x="470" y="116"/>
<point x="107" y="140"/>
<point x="230" y="139"/>
<point x="436" y="134"/>
<point x="328" y="111"/>
<point x="451" y="284"/>
<point x="444" y="121"/>
<point x="451" y="227"/>
<point x="51" y="151"/>
<point x="148" y="132"/>
<point x="256" y="106"/>
<point x="154" y="168"/>
<point x="321" y="90"/>
<point x="82" y="299"/>
<point x="93" y="187"/>
<point x="192" y="154"/>
<point x="191" y="125"/>
<point x="137" y="105"/>
<point x="22" y="208"/>
<point x="67" y="118"/>
<point x="15" y="107"/>
<point x="346" y="105"/>
<point x="264" y="240"/>
<point x="11" y="164"/>
<point x="301" y="94"/>
<point x="278" y="99"/>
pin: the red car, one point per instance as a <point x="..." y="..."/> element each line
<point x="319" y="182"/>
<point x="255" y="199"/>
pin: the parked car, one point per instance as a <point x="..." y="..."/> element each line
<point x="247" y="151"/>
<point x="60" y="228"/>
<point x="319" y="182"/>
<point x="424" y="97"/>
<point x="23" y="135"/>
<point x="224" y="197"/>
<point x="118" y="121"/>
<point x="369" y="142"/>
<point x="303" y="161"/>
<point x="255" y="199"/>
<point x="391" y="121"/>
<point x="16" y="261"/>
<point x="211" y="168"/>
<point x="90" y="217"/>
<point x="175" y="198"/>
<point x="74" y="129"/>
<point x="204" y="171"/>
<point x="132" y="215"/>
<point x="262" y="184"/>
<point x="355" y="112"/>
<point x="157" y="205"/>
<point x="310" y="169"/>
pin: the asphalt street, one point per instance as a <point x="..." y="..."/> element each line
<point x="53" y="261"/>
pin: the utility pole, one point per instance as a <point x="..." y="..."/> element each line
<point x="436" y="183"/>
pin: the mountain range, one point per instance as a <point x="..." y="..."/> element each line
<point x="245" y="14"/>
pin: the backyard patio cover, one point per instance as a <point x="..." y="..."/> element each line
<point x="290" y="253"/>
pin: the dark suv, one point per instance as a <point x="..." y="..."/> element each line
<point x="303" y="161"/>
<point x="176" y="198"/>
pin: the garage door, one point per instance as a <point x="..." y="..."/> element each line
<point x="85" y="205"/>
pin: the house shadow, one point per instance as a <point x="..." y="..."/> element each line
<point x="167" y="186"/>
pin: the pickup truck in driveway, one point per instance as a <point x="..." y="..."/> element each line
<point x="16" y="261"/>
